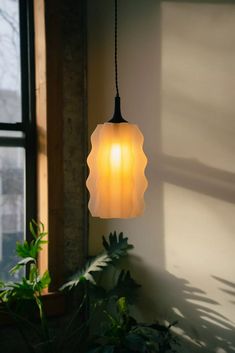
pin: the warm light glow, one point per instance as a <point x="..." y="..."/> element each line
<point x="115" y="156"/>
<point x="117" y="162"/>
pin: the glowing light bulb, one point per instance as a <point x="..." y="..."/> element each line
<point x="115" y="156"/>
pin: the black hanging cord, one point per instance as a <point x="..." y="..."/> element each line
<point x="117" y="115"/>
<point x="115" y="52"/>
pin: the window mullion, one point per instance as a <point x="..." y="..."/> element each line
<point x="12" y="127"/>
<point x="12" y="141"/>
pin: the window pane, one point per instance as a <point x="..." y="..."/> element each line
<point x="11" y="206"/>
<point x="4" y="133"/>
<point x="10" y="81"/>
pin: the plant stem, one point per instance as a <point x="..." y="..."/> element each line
<point x="44" y="325"/>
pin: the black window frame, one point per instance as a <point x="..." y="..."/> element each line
<point x="28" y="121"/>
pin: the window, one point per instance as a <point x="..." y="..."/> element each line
<point x="17" y="128"/>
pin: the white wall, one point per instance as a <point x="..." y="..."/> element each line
<point x="177" y="82"/>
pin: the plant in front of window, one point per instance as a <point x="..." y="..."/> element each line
<point x="20" y="299"/>
<point x="110" y="292"/>
<point x="101" y="322"/>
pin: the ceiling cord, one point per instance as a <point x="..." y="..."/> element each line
<point x="117" y="116"/>
<point x="115" y="51"/>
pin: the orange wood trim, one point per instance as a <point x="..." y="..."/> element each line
<point x="49" y="106"/>
<point x="41" y="122"/>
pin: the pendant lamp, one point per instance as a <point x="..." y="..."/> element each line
<point x="116" y="180"/>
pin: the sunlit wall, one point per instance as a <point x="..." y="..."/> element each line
<point x="177" y="70"/>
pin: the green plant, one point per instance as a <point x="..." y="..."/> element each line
<point x="114" y="249"/>
<point x="97" y="299"/>
<point x="21" y="298"/>
<point x="117" y="332"/>
<point x="123" y="334"/>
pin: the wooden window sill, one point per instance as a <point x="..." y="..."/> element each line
<point x="54" y="305"/>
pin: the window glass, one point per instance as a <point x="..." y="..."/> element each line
<point x="4" y="133"/>
<point x="12" y="210"/>
<point x="10" y="80"/>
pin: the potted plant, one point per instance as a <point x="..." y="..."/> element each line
<point x="101" y="320"/>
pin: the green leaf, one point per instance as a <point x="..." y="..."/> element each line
<point x="45" y="280"/>
<point x="126" y="287"/>
<point x="28" y="251"/>
<point x="22" y="290"/>
<point x="147" y="332"/>
<point x="94" y="265"/>
<point x="117" y="246"/>
<point x="32" y="230"/>
<point x="33" y="274"/>
<point x="22" y="249"/>
<point x="32" y="249"/>
<point x="122" y="306"/>
<point x="22" y="263"/>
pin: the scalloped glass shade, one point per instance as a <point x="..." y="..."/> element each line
<point x="117" y="162"/>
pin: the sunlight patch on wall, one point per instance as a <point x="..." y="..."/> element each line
<point x="197" y="166"/>
<point x="198" y="70"/>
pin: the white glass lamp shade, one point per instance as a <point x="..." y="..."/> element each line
<point x="117" y="162"/>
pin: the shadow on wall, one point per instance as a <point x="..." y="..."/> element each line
<point x="200" y="326"/>
<point x="229" y="287"/>
<point x="200" y="323"/>
<point x="197" y="154"/>
<point x="190" y="145"/>
<point x="196" y="176"/>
